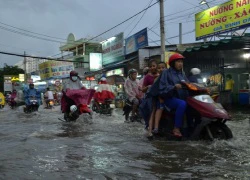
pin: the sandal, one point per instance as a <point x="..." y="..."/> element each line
<point x="155" y="131"/>
<point x="177" y="133"/>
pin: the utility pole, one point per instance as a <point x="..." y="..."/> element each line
<point x="180" y="33"/>
<point x="162" y="30"/>
<point x="24" y="65"/>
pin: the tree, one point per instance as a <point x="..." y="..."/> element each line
<point x="9" y="70"/>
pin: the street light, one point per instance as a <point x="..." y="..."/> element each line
<point x="204" y="2"/>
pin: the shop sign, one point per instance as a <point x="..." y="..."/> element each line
<point x="21" y="77"/>
<point x="230" y="16"/>
<point x="113" y="50"/>
<point x="35" y="78"/>
<point x="95" y="60"/>
<point x="136" y="41"/>
<point x="119" y="71"/>
<point x="11" y="78"/>
<point x="55" y="69"/>
<point x="167" y="56"/>
<point x="14" y="79"/>
<point x="7" y="86"/>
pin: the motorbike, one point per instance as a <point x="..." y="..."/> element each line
<point x="34" y="105"/>
<point x="75" y="102"/>
<point x="12" y="103"/>
<point x="105" y="107"/>
<point x="208" y="116"/>
<point x="127" y="109"/>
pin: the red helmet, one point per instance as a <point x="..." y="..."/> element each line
<point x="175" y="57"/>
<point x="73" y="73"/>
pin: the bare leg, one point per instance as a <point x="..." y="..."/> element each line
<point x="134" y="109"/>
<point x="151" y="122"/>
<point x="158" y="118"/>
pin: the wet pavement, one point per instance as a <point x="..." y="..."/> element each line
<point x="39" y="146"/>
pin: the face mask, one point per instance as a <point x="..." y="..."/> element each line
<point x="74" y="78"/>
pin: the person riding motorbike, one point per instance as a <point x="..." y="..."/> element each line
<point x="131" y="87"/>
<point x="68" y="106"/>
<point x="12" y="101"/>
<point x="171" y="90"/>
<point x="48" y="96"/>
<point x="32" y="93"/>
<point x="103" y="92"/>
<point x="195" y="76"/>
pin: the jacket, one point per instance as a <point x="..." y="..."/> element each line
<point x="169" y="78"/>
<point x="132" y="89"/>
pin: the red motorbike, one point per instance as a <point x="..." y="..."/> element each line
<point x="75" y="102"/>
<point x="209" y="118"/>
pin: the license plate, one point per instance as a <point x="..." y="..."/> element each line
<point x="112" y="106"/>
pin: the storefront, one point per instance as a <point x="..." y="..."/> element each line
<point x="224" y="57"/>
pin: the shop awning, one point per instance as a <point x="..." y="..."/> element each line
<point x="235" y="42"/>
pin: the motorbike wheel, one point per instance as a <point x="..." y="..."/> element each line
<point x="110" y="111"/>
<point x="94" y="107"/>
<point x="218" y="131"/>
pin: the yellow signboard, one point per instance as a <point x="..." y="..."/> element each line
<point x="55" y="69"/>
<point x="167" y="56"/>
<point x="230" y="16"/>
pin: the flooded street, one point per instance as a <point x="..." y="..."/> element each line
<point x="39" y="146"/>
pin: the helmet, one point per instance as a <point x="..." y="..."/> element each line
<point x="195" y="71"/>
<point x="73" y="108"/>
<point x="73" y="73"/>
<point x="103" y="79"/>
<point x="132" y="71"/>
<point x="175" y="57"/>
<point x="145" y="70"/>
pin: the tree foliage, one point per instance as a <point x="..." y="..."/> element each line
<point x="8" y="70"/>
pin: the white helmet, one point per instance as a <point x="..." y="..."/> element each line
<point x="73" y="108"/>
<point x="195" y="71"/>
<point x="103" y="79"/>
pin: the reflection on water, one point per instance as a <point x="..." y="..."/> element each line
<point x="38" y="146"/>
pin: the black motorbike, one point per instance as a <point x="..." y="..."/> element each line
<point x="127" y="109"/>
<point x="34" y="105"/>
<point x="103" y="108"/>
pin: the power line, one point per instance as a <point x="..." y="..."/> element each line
<point x="35" y="57"/>
<point x="32" y="31"/>
<point x="176" y="35"/>
<point x="159" y="35"/>
<point x="119" y="23"/>
<point x="139" y="19"/>
<point x="123" y="21"/>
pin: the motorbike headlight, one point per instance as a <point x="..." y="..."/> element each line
<point x="112" y="106"/>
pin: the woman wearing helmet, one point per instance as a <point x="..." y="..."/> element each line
<point x="171" y="90"/>
<point x="73" y="83"/>
<point x="131" y="87"/>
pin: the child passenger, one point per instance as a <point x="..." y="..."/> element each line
<point x="156" y="114"/>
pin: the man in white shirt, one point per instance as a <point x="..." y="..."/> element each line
<point x="49" y="97"/>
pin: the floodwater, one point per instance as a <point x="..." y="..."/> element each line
<point x="39" y="146"/>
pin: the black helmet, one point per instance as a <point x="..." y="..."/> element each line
<point x="73" y="73"/>
<point x="132" y="71"/>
